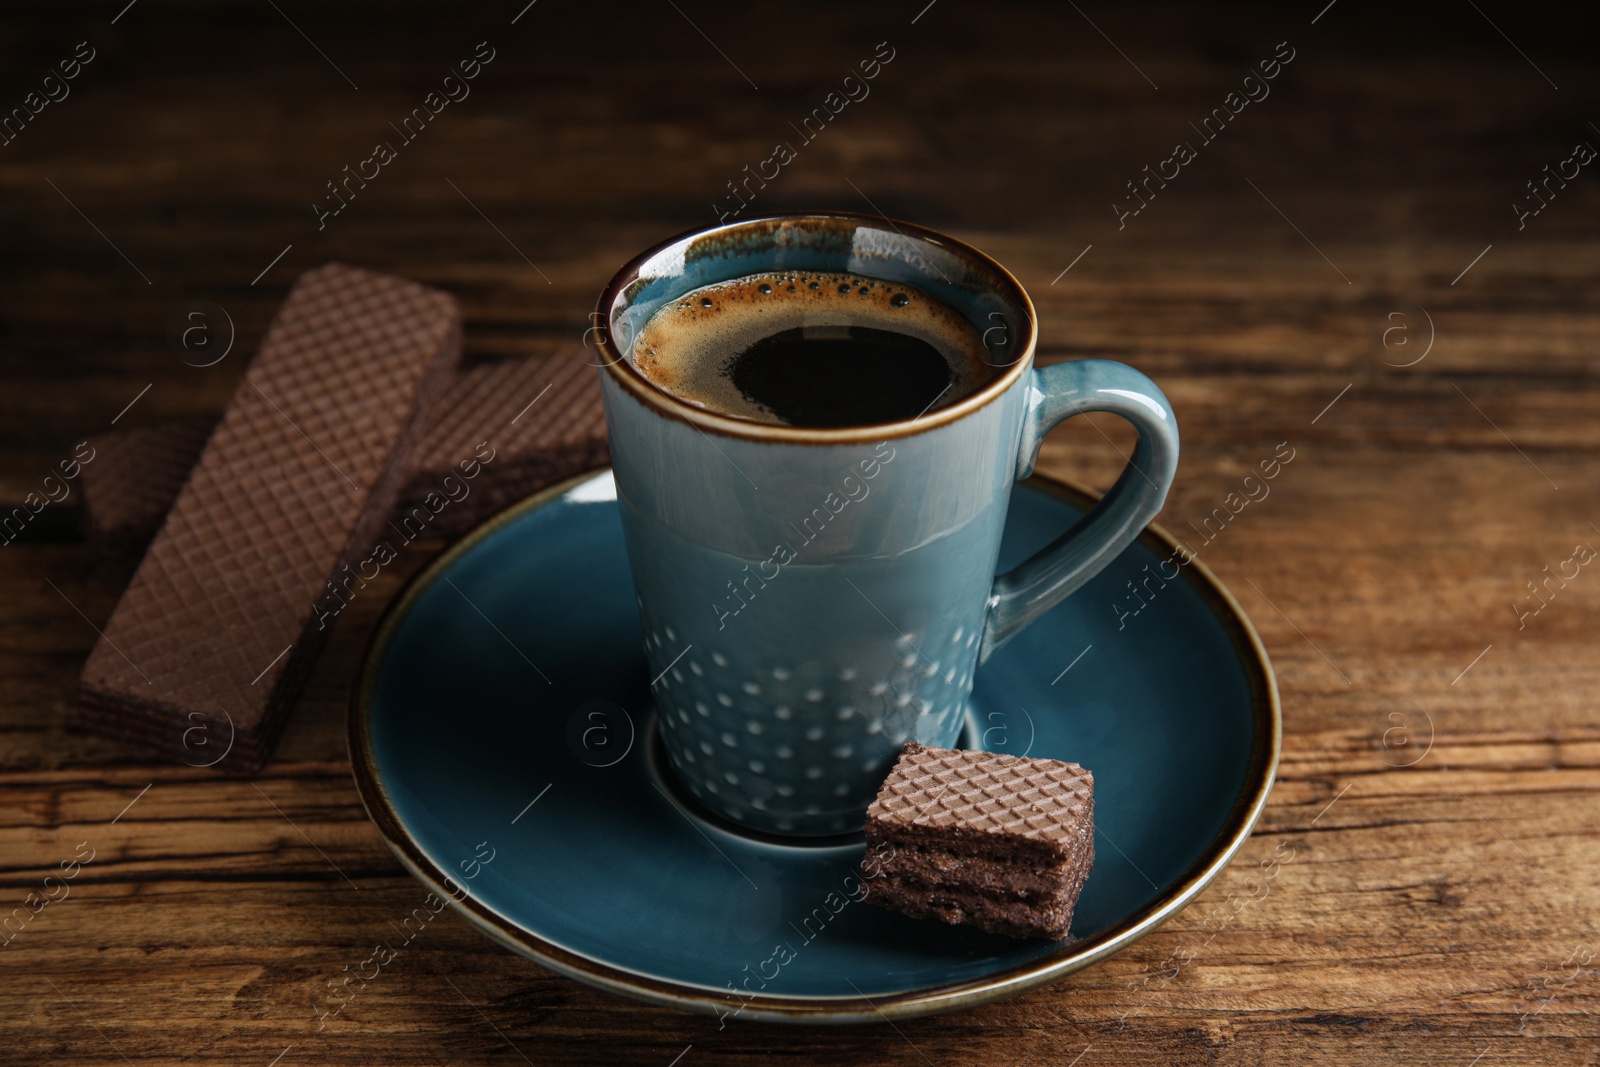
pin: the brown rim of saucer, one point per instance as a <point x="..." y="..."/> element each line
<point x="1068" y="957"/>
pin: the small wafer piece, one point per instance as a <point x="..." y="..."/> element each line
<point x="539" y="419"/>
<point x="217" y="632"/>
<point x="998" y="842"/>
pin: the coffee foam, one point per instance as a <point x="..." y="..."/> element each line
<point x="687" y="346"/>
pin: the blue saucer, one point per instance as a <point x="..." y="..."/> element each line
<point x="503" y="742"/>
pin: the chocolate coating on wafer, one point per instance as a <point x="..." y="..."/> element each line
<point x="540" y="420"/>
<point x="999" y="842"/>
<point x="129" y="491"/>
<point x="217" y="630"/>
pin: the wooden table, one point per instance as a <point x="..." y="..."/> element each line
<point x="1442" y="754"/>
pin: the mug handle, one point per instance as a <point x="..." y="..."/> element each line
<point x="1055" y="394"/>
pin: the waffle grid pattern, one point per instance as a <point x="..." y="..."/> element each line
<point x="309" y="444"/>
<point x="554" y="400"/>
<point x="1038" y="799"/>
<point x="137" y="474"/>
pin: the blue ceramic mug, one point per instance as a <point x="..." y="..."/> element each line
<point x="814" y="598"/>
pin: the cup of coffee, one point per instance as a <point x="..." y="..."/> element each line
<point x="815" y="424"/>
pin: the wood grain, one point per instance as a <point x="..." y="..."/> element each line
<point x="1439" y="904"/>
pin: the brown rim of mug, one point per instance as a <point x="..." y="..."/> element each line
<point x="1248" y="804"/>
<point x="623" y="373"/>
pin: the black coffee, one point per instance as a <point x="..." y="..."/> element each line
<point x="841" y="375"/>
<point x="818" y="350"/>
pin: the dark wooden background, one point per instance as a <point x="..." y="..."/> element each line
<point x="1440" y="902"/>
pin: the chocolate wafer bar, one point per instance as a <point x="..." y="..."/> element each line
<point x="128" y="493"/>
<point x="998" y="842"/>
<point x="539" y="420"/>
<point x="217" y="632"/>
